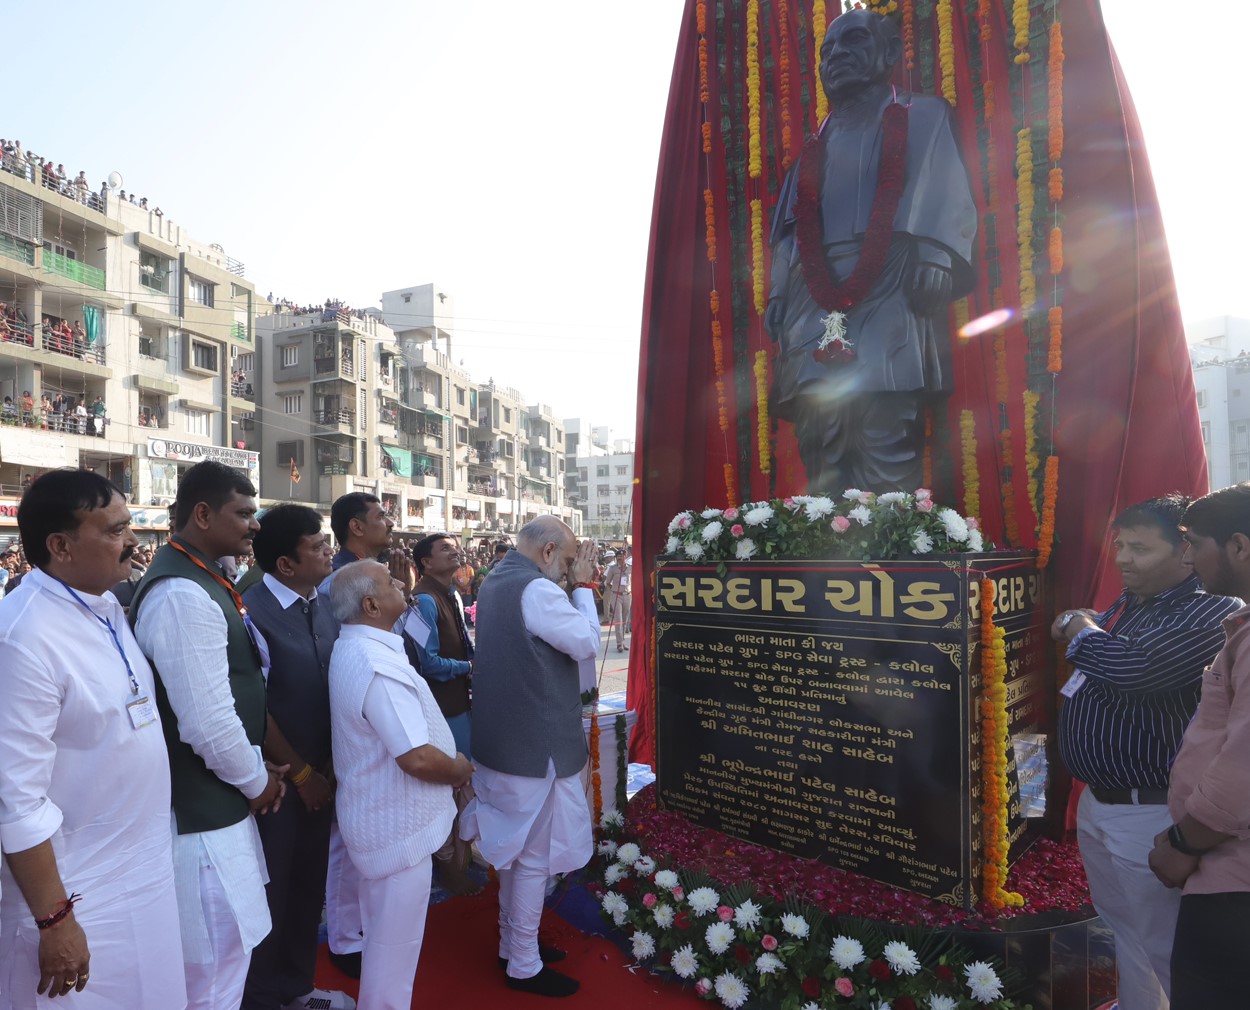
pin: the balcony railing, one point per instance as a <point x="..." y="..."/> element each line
<point x="75" y="270"/>
<point x="16" y="249"/>
<point x="242" y="390"/>
<point x="239" y="332"/>
<point x="73" y="347"/>
<point x="331" y="417"/>
<point x="13" y="332"/>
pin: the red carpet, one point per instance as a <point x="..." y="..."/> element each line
<point x="459" y="970"/>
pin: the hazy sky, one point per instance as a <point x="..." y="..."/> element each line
<point x="506" y="152"/>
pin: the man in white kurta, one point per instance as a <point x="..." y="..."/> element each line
<point x="530" y="812"/>
<point x="396" y="762"/>
<point x="83" y="769"/>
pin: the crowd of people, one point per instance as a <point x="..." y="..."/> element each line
<point x="14" y="326"/>
<point x="53" y="176"/>
<point x="227" y="732"/>
<point x="332" y="309"/>
<point x="59" y="412"/>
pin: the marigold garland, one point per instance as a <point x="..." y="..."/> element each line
<point x="818" y="38"/>
<point x="1054" y="88"/>
<point x="1050" y="490"/>
<point x="1020" y="20"/>
<point x="946" y="50"/>
<point x="707" y="138"/>
<point x="709" y="219"/>
<point x="755" y="157"/>
<point x="757" y="256"/>
<point x="1024" y="227"/>
<point x="1054" y="355"/>
<point x="1054" y="184"/>
<point x="762" y="430"/>
<point x="731" y="499"/>
<point x="983" y="22"/>
<point x="972" y="480"/>
<point x="783" y="32"/>
<point x="909" y="33"/>
<point x="1031" y="460"/>
<point x="1056" y="250"/>
<point x="700" y="14"/>
<point x="596" y="779"/>
<point x="994" y="733"/>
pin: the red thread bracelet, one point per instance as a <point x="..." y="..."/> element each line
<point x="66" y="907"/>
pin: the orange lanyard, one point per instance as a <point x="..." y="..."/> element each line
<point x="225" y="584"/>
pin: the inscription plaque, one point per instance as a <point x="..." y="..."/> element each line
<point x="829" y="709"/>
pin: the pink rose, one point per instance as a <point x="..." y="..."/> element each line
<point x="731" y="514"/>
<point x="790" y="503"/>
<point x="925" y="506"/>
<point x="679" y="892"/>
<point x="648" y="900"/>
<point x="923" y="494"/>
<point x="724" y="913"/>
<point x="844" y="987"/>
<point x="737" y="529"/>
<point x="840" y="524"/>
<point x="973" y="523"/>
<point x="703" y="986"/>
<point x="768" y="941"/>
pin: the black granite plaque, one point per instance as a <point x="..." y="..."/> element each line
<point x="829" y="709"/>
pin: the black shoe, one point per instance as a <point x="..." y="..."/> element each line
<point x="547" y="982"/>
<point x="549" y="955"/>
<point x="348" y="964"/>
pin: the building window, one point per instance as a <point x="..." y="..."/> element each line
<point x="288" y="451"/>
<point x="460" y="396"/>
<point x="1202" y="398"/>
<point x="601" y="471"/>
<point x="245" y="362"/>
<point x="293" y="403"/>
<point x="153" y="271"/>
<point x="200" y="292"/>
<point x="204" y="356"/>
<point x="197" y="422"/>
<point x="622" y="471"/>
<point x="290" y="355"/>
<point x="605" y="511"/>
<point x="507" y="415"/>
<point x="603" y="491"/>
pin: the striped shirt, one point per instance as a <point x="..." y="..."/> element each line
<point x="1123" y="727"/>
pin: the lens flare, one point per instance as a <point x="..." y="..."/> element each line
<point x="983" y="324"/>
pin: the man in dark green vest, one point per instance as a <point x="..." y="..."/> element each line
<point x="210" y="689"/>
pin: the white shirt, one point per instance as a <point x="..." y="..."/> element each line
<point x="285" y="596"/>
<point x="184" y="632"/>
<point x="570" y="626"/>
<point x="74" y="769"/>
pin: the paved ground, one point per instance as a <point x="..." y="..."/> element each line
<point x="613" y="666"/>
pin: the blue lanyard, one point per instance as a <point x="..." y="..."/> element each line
<point x="134" y="681"/>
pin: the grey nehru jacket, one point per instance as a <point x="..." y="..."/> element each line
<point x="527" y="705"/>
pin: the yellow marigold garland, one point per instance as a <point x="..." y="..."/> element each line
<point x="946" y="50"/>
<point x="818" y="36"/>
<point x="762" y="430"/>
<point x="1031" y="460"/>
<point x="755" y="157"/>
<point x="972" y="480"/>
<point x="1050" y="490"/>
<point x="1024" y="226"/>
<point x="1020" y="20"/>
<point x="994" y="756"/>
<point x="757" y="255"/>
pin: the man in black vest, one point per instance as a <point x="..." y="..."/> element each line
<point x="445" y="660"/>
<point x="300" y="632"/>
<point x="530" y="810"/>
<point x="210" y="690"/>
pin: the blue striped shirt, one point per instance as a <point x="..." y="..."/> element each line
<point x="1123" y="727"/>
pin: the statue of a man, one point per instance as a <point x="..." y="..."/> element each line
<point x="872" y="239"/>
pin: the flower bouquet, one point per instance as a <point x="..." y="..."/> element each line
<point x="733" y="948"/>
<point x="859" y="524"/>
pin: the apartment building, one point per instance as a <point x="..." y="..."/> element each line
<point x="116" y="308"/>
<point x="1219" y="349"/>
<point x="599" y="479"/>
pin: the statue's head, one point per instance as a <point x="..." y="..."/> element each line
<point x="860" y="49"/>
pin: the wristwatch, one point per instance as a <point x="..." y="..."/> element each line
<point x="1066" y="619"/>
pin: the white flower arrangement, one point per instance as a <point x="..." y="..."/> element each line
<point x="747" y="915"/>
<point x="846" y="953"/>
<point x="983" y="982"/>
<point x="643" y="945"/>
<point x="901" y="957"/>
<point x="703" y="900"/>
<point x="628" y="853"/>
<point x="718" y="937"/>
<point x="733" y="992"/>
<point x="795" y="925"/>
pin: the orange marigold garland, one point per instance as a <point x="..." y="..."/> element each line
<point x="1050" y="490"/>
<point x="983" y="21"/>
<point x="972" y="480"/>
<point x="1054" y="355"/>
<point x="700" y="13"/>
<point x="818" y="37"/>
<point x="783" y="60"/>
<point x="731" y="487"/>
<point x="596" y="780"/>
<point x="1056" y="250"/>
<point x="1024" y="227"/>
<point x="707" y="138"/>
<point x="909" y="33"/>
<point x="1054" y="87"/>
<point x="946" y="49"/>
<point x="762" y="430"/>
<point x="709" y="219"/>
<point x="994" y="735"/>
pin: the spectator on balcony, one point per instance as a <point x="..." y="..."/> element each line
<point x="80" y="339"/>
<point x="28" y="408"/>
<point x="58" y="411"/>
<point x="99" y="413"/>
<point x="10" y="411"/>
<point x="82" y="186"/>
<point x="80" y="417"/>
<point x="143" y="203"/>
<point x="45" y="412"/>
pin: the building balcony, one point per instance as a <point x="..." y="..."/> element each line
<point x="72" y="347"/>
<point x="239" y="332"/>
<point x="75" y="270"/>
<point x="16" y="249"/>
<point x="336" y="418"/>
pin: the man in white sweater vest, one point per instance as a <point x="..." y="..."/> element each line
<point x="396" y="764"/>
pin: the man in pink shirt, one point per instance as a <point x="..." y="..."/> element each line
<point x="1207" y="850"/>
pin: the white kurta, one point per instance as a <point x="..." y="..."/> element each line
<point x="506" y="807"/>
<point x="74" y="769"/>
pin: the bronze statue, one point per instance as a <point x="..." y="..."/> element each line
<point x="872" y="239"/>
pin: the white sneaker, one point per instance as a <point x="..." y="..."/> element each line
<point x="322" y="999"/>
